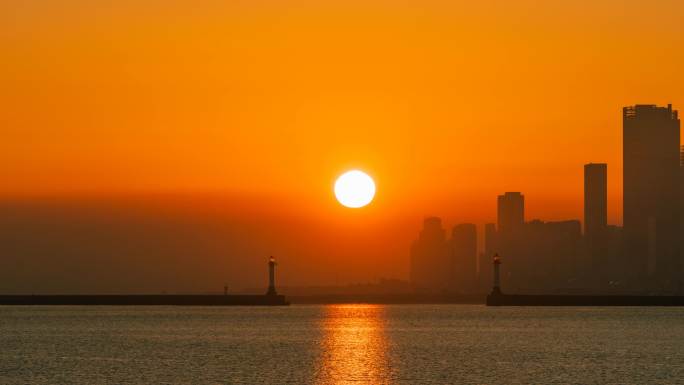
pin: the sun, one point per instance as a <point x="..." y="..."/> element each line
<point x="354" y="189"/>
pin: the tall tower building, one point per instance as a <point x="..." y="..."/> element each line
<point x="464" y="249"/>
<point x="596" y="215"/>
<point x="431" y="265"/>
<point x="510" y="213"/>
<point x="651" y="191"/>
<point x="595" y="198"/>
<point x="510" y="235"/>
<point x="489" y="243"/>
<point x="485" y="261"/>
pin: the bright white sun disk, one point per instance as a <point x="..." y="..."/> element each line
<point x="354" y="189"/>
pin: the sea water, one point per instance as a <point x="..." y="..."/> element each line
<point x="341" y="344"/>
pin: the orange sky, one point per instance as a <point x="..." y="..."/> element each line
<point x="445" y="103"/>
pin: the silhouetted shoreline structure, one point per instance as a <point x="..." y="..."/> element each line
<point x="271" y="298"/>
<point x="644" y="256"/>
<point x="651" y="169"/>
<point x="271" y="277"/>
<point x="431" y="259"/>
<point x="596" y="216"/>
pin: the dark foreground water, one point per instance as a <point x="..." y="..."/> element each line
<point x="341" y="344"/>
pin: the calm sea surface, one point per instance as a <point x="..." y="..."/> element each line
<point x="341" y="344"/>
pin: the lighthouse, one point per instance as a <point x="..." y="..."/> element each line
<point x="497" y="279"/>
<point x="271" y="277"/>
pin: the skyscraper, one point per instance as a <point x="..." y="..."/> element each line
<point x="489" y="242"/>
<point x="510" y="213"/>
<point x="596" y="215"/>
<point x="509" y="235"/>
<point x="464" y="249"/>
<point x="595" y="198"/>
<point x="485" y="261"/>
<point x="430" y="258"/>
<point x="651" y="191"/>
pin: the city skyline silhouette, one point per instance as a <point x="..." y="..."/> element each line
<point x="642" y="255"/>
<point x="582" y="254"/>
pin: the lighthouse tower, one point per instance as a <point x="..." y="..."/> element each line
<point x="497" y="279"/>
<point x="271" y="277"/>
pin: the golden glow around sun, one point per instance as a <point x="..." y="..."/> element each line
<point x="354" y="189"/>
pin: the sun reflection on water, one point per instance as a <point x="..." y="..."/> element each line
<point x="354" y="346"/>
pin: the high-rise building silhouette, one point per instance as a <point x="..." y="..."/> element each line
<point x="651" y="192"/>
<point x="595" y="198"/>
<point x="431" y="258"/>
<point x="509" y="234"/>
<point x="464" y="251"/>
<point x="490" y="247"/>
<point x="510" y="213"/>
<point x="489" y="243"/>
<point x="596" y="216"/>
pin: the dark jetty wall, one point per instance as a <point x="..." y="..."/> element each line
<point x="583" y="300"/>
<point x="144" y="299"/>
